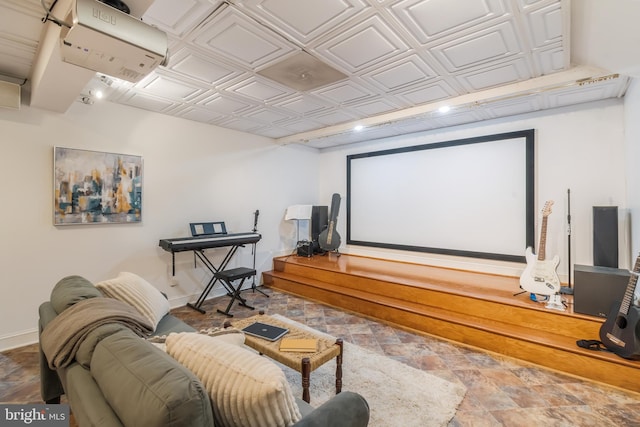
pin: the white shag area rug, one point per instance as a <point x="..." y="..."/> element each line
<point x="398" y="394"/>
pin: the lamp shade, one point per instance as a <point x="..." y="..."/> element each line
<point x="298" y="212"/>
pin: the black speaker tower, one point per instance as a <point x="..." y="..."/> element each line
<point x="319" y="221"/>
<point x="605" y="236"/>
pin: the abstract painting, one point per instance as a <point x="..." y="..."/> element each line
<point x="93" y="187"/>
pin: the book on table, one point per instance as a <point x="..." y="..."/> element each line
<point x="263" y="330"/>
<point x="300" y="345"/>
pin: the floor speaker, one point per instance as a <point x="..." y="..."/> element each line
<point x="596" y="288"/>
<point x="319" y="221"/>
<point x="605" y="236"/>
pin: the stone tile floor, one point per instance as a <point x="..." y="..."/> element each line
<point x="500" y="391"/>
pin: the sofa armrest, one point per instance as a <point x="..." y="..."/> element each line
<point x="346" y="409"/>
<point x="50" y="386"/>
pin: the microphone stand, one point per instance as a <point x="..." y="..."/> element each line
<point x="568" y="290"/>
<point x="253" y="249"/>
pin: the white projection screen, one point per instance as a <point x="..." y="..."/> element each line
<point x="471" y="197"/>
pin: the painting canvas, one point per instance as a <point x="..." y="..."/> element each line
<point x="93" y="187"/>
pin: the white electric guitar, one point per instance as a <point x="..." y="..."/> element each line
<point x="540" y="277"/>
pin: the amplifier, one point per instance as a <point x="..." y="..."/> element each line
<point x="305" y="248"/>
<point x="595" y="289"/>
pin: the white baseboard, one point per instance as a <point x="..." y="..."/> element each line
<point x="21" y="339"/>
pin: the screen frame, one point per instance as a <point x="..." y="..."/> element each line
<point x="528" y="136"/>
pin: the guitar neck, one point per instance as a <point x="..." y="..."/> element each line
<point x="543" y="240"/>
<point x="631" y="288"/>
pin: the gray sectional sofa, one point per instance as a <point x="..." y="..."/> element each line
<point x="117" y="378"/>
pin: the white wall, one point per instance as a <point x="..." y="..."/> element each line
<point x="579" y="148"/>
<point x="632" y="139"/>
<point x="192" y="172"/>
<point x="196" y="172"/>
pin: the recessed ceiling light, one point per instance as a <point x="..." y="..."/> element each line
<point x="358" y="128"/>
<point x="96" y="93"/>
<point x="444" y="109"/>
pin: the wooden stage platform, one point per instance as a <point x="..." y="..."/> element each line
<point x="475" y="309"/>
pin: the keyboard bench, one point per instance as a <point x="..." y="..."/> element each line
<point x="227" y="277"/>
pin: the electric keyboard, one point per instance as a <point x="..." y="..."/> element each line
<point x="198" y="243"/>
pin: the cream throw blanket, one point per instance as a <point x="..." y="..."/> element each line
<point x="64" y="334"/>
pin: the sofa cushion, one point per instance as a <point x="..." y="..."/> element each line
<point x="228" y="335"/>
<point x="245" y="388"/>
<point x="170" y="324"/>
<point x="145" y="386"/>
<point x="139" y="293"/>
<point x="70" y="290"/>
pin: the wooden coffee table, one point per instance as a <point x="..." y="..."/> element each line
<point x="305" y="363"/>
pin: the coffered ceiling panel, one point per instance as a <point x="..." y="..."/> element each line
<point x="147" y="102"/>
<point x="372" y="108"/>
<point x="400" y="73"/>
<point x="260" y="89"/>
<point x="241" y="124"/>
<point x="302" y="20"/>
<point x="198" y="114"/>
<point x="299" y="125"/>
<point x="178" y="17"/>
<point x="500" y="74"/>
<point x="272" y="132"/>
<point x="304" y="105"/>
<point x="495" y="43"/>
<point x="527" y="4"/>
<point x="344" y="93"/>
<point x="362" y="45"/>
<point x="545" y="25"/>
<point x="226" y="104"/>
<point x="393" y="63"/>
<point x="238" y="38"/>
<point x="421" y="94"/>
<point x="266" y="116"/>
<point x="550" y="59"/>
<point x="427" y="20"/>
<point x="334" y="117"/>
<point x="165" y="87"/>
<point x="200" y="67"/>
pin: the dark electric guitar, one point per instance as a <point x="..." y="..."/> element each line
<point x="329" y="239"/>
<point x="619" y="333"/>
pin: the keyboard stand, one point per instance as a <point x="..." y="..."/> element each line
<point x="214" y="270"/>
<point x="207" y="235"/>
<point x="226" y="278"/>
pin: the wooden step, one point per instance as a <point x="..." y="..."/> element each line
<point x="469" y="298"/>
<point x="475" y="309"/>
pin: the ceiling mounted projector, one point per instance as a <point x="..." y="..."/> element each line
<point x="117" y="4"/>
<point x="107" y="40"/>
